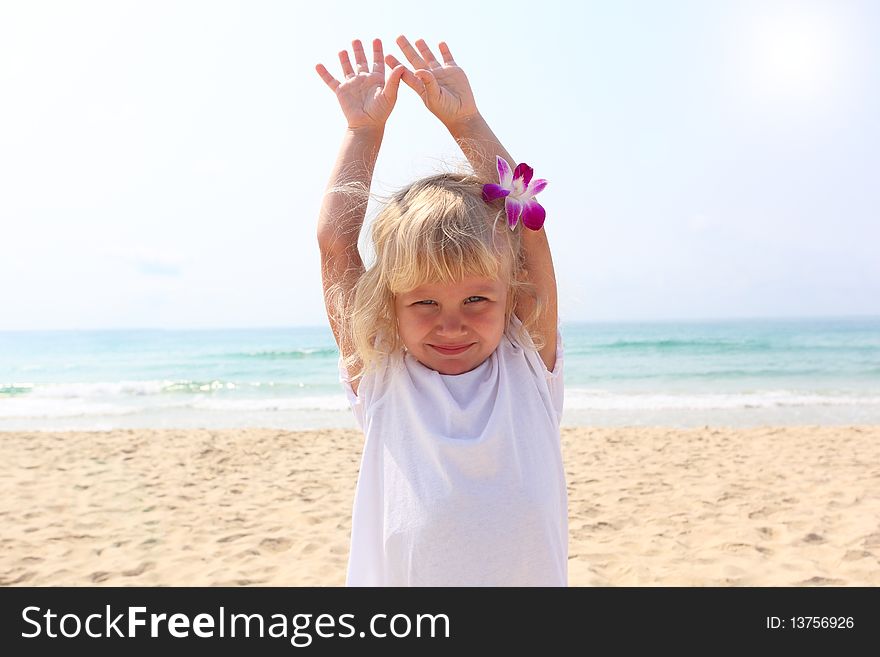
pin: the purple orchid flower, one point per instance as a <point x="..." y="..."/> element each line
<point x="518" y="191"/>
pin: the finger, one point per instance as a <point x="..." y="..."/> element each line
<point x="414" y="58"/>
<point x="346" y="64"/>
<point x="413" y="82"/>
<point x="378" y="57"/>
<point x="359" y="57"/>
<point x="446" y="54"/>
<point x="407" y="76"/>
<point x="427" y="54"/>
<point x="429" y="82"/>
<point x="392" y="84"/>
<point x="326" y="77"/>
<point x="392" y="61"/>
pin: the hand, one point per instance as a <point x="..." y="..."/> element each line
<point x="444" y="88"/>
<point x="366" y="97"/>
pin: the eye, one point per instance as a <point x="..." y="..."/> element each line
<point x="477" y="298"/>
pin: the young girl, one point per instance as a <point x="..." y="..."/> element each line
<point x="451" y="355"/>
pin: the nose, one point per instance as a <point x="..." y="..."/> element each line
<point x="450" y="323"/>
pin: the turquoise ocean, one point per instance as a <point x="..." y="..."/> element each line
<point x="683" y="374"/>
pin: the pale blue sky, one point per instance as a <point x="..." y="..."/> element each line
<point x="162" y="163"/>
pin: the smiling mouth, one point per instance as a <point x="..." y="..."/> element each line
<point x="451" y="351"/>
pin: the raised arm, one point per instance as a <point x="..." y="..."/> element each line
<point x="366" y="99"/>
<point x="446" y="92"/>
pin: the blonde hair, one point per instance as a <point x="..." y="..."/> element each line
<point x="437" y="230"/>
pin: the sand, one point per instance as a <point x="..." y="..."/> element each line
<point x="774" y="506"/>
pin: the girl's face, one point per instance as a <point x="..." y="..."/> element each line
<point x="467" y="317"/>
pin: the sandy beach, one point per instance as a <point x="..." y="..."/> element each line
<point x="772" y="506"/>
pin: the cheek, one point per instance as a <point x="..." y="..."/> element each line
<point x="489" y="324"/>
<point x="415" y="323"/>
<point x="409" y="323"/>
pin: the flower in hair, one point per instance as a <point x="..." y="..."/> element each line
<point x="518" y="191"/>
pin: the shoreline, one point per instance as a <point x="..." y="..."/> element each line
<point x="648" y="506"/>
<point x="347" y="429"/>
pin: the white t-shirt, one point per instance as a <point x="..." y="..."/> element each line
<point x="461" y="480"/>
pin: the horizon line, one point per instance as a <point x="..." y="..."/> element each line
<point x="682" y="320"/>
